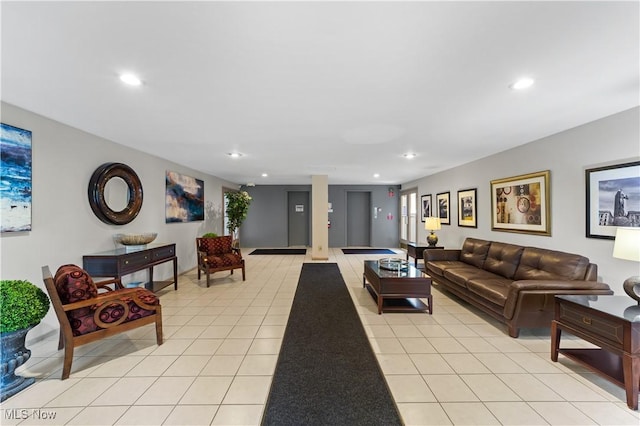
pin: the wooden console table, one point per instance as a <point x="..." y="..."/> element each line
<point x="415" y="251"/>
<point x="117" y="263"/>
<point x="613" y="324"/>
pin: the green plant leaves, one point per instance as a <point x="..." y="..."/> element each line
<point x="22" y="305"/>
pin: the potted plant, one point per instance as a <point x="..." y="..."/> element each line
<point x="22" y="307"/>
<point x="210" y="235"/>
<point x="237" y="208"/>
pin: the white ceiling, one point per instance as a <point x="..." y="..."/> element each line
<point x="314" y="88"/>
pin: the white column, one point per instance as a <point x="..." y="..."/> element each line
<point x="320" y="215"/>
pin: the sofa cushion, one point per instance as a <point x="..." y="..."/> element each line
<point x="474" y="251"/>
<point x="503" y="259"/>
<point x="217" y="245"/>
<point x="223" y="260"/>
<point x="437" y="267"/>
<point x="74" y="284"/>
<point x="543" y="264"/>
<point x="83" y="320"/>
<point x="461" y="275"/>
<point x="495" y="289"/>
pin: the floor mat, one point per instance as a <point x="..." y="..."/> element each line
<point x="327" y="373"/>
<point x="367" y="251"/>
<point x="279" y="251"/>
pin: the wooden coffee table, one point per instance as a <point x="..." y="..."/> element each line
<point x="398" y="291"/>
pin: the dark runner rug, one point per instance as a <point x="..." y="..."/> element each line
<point x="279" y="251"/>
<point x="327" y="373"/>
<point x="368" y="251"/>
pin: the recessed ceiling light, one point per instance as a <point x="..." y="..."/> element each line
<point x="235" y="155"/>
<point x="523" y="83"/>
<point x="376" y="175"/>
<point x="130" y="79"/>
<point x="409" y="155"/>
<point x="265" y="175"/>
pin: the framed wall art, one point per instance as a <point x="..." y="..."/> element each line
<point x="425" y="203"/>
<point x="443" y="206"/>
<point x="184" y="201"/>
<point x="613" y="199"/>
<point x="522" y="204"/>
<point x="15" y="174"/>
<point x="467" y="208"/>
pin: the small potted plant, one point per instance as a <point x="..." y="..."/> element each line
<point x="210" y="235"/>
<point x="22" y="307"/>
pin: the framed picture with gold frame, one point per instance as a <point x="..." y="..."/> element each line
<point x="522" y="204"/>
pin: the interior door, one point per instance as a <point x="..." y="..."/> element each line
<point x="299" y="217"/>
<point x="359" y="219"/>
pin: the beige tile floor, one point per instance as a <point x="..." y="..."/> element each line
<point x="221" y="347"/>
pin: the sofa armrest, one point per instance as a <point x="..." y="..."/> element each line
<point x="556" y="285"/>
<point x="445" y="254"/>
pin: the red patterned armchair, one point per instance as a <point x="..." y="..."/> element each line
<point x="218" y="254"/>
<point x="86" y="314"/>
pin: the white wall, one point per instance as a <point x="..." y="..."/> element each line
<point x="64" y="227"/>
<point x="611" y="140"/>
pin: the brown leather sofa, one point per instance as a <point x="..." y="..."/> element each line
<point x="512" y="283"/>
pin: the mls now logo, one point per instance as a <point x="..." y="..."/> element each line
<point x="16" y="414"/>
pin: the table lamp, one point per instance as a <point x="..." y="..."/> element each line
<point x="432" y="224"/>
<point x="627" y="246"/>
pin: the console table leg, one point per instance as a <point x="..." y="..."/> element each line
<point x="631" y="369"/>
<point x="555" y="340"/>
<point x="175" y="273"/>
<point x="380" y="301"/>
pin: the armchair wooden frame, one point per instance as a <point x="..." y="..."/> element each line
<point x="112" y="296"/>
<point x="203" y="265"/>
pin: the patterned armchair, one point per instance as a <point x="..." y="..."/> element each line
<point x="86" y="314"/>
<point x="218" y="254"/>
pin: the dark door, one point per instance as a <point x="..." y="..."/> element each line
<point x="298" y="218"/>
<point x="358" y="219"/>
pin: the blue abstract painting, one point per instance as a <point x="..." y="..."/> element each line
<point x="184" y="201"/>
<point x="15" y="179"/>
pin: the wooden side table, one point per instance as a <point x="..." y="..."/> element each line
<point x="613" y="324"/>
<point x="415" y="251"/>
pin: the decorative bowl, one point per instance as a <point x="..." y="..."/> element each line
<point x="135" y="239"/>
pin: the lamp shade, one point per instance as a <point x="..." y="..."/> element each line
<point x="432" y="224"/>
<point x="627" y="244"/>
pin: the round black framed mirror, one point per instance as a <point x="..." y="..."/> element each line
<point x="97" y="198"/>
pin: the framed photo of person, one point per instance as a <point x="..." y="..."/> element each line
<point x="443" y="206"/>
<point x="425" y="205"/>
<point x="612" y="198"/>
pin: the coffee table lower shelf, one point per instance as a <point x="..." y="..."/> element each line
<point x="600" y="361"/>
<point x="399" y="304"/>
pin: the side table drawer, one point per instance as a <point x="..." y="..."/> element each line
<point x="164" y="252"/>
<point x="608" y="329"/>
<point x="134" y="260"/>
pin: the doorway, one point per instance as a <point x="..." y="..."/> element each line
<point x="358" y="219"/>
<point x="408" y="216"/>
<point x="299" y="218"/>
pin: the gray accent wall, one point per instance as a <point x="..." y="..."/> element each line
<point x="266" y="224"/>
